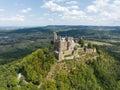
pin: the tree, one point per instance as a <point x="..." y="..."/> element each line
<point x="49" y="84"/>
<point x="12" y="81"/>
<point x="85" y="49"/>
<point x="82" y="42"/>
<point x="52" y="42"/>
<point x="90" y="45"/>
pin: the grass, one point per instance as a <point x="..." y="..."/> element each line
<point x="68" y="55"/>
<point x="98" y="43"/>
<point x="114" y="41"/>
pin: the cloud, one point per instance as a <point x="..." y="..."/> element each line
<point x="92" y="8"/>
<point x="98" y="6"/>
<point x="57" y="0"/>
<point x="106" y="11"/>
<point x="76" y="13"/>
<point x="73" y="7"/>
<point x="63" y="10"/>
<point x="50" y="19"/>
<point x="117" y="2"/>
<point x="13" y="18"/>
<point x="101" y="3"/>
<point x="72" y="2"/>
<point x="26" y="10"/>
<point x="98" y="12"/>
<point x="54" y="7"/>
<point x="1" y="10"/>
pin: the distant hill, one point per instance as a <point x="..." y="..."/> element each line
<point x="63" y="27"/>
<point x="28" y="39"/>
<point x="101" y="28"/>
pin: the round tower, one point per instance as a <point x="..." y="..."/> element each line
<point x="54" y="36"/>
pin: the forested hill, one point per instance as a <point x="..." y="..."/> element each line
<point x="25" y="69"/>
<point x="41" y="71"/>
<point x="31" y="30"/>
<point x="68" y="27"/>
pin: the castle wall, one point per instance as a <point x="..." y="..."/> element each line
<point x="68" y="52"/>
<point x="69" y="39"/>
<point x="62" y="46"/>
<point x="90" y="50"/>
<point x="56" y="46"/>
<point x="60" y="56"/>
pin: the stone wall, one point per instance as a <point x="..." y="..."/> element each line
<point x="90" y="50"/>
<point x="68" y="52"/>
<point x="60" y="56"/>
<point x="62" y="46"/>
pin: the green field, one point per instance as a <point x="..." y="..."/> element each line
<point x="98" y="43"/>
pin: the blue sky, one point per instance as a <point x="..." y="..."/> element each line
<point x="59" y="12"/>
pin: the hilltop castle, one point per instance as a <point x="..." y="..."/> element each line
<point x="63" y="46"/>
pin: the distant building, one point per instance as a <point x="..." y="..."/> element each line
<point x="63" y="46"/>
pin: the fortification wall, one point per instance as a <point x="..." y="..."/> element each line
<point x="68" y="52"/>
<point x="90" y="50"/>
<point x="63" y="46"/>
<point x="60" y="56"/>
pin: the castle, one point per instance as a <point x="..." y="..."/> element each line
<point x="63" y="46"/>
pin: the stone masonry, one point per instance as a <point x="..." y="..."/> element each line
<point x="63" y="46"/>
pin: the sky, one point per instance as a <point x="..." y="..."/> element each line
<point x="59" y="12"/>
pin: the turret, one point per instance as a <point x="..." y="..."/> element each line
<point x="54" y="36"/>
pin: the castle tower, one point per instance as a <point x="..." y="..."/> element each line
<point x="54" y="36"/>
<point x="63" y="46"/>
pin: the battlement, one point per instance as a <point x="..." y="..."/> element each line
<point x="63" y="46"/>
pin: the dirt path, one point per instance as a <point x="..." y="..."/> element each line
<point x="60" y="65"/>
<point x="49" y="75"/>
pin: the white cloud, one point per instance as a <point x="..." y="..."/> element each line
<point x="1" y="10"/>
<point x="13" y="18"/>
<point x="50" y="19"/>
<point x="26" y="10"/>
<point x="46" y="14"/>
<point x="73" y="7"/>
<point x="72" y="2"/>
<point x="57" y="0"/>
<point x="98" y="6"/>
<point x="101" y="3"/>
<point x="99" y="12"/>
<point x="54" y="7"/>
<point x="92" y="8"/>
<point x="108" y="11"/>
<point x="76" y="13"/>
<point x="64" y="11"/>
<point x="117" y="2"/>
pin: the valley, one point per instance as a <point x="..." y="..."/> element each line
<point x="27" y="40"/>
<point x="27" y="61"/>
